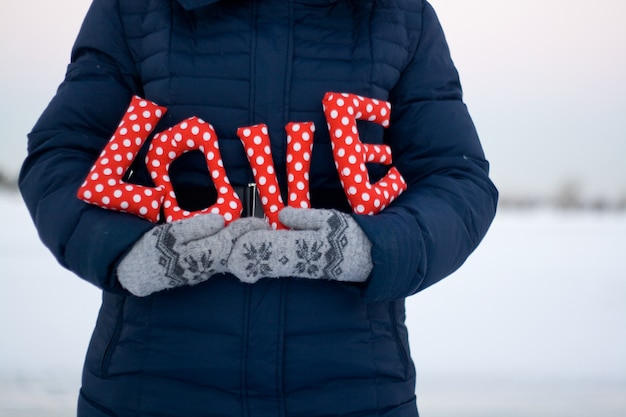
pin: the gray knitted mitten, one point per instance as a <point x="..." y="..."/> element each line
<point x="323" y="244"/>
<point x="185" y="252"/>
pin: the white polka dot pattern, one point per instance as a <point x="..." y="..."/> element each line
<point x="256" y="142"/>
<point x="104" y="187"/>
<point x="350" y="154"/>
<point x="188" y="135"/>
<point x="299" y="151"/>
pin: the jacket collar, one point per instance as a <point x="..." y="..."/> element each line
<point x="195" y="4"/>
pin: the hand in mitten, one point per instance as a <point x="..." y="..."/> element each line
<point x="185" y="252"/>
<point x="323" y="244"/>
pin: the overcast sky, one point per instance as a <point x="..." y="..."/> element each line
<point x="545" y="81"/>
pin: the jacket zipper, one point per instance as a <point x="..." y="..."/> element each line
<point x="119" y="319"/>
<point x="404" y="356"/>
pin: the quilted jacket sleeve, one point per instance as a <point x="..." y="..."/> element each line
<point x="433" y="227"/>
<point x="66" y="141"/>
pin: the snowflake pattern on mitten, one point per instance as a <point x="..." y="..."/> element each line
<point x="322" y="244"/>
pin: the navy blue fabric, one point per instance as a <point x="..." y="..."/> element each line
<point x="283" y="347"/>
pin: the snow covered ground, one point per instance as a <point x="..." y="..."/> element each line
<point x="533" y="325"/>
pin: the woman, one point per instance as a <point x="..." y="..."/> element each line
<point x="237" y="343"/>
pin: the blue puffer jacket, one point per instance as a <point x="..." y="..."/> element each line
<point x="280" y="347"/>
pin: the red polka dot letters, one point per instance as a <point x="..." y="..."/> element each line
<point x="299" y="147"/>
<point x="191" y="134"/>
<point x="105" y="187"/>
<point x="342" y="112"/>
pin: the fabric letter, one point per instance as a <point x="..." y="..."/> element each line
<point x="342" y="112"/>
<point x="188" y="135"/>
<point x="104" y="186"/>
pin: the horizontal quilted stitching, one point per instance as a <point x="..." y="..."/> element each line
<point x="201" y="59"/>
